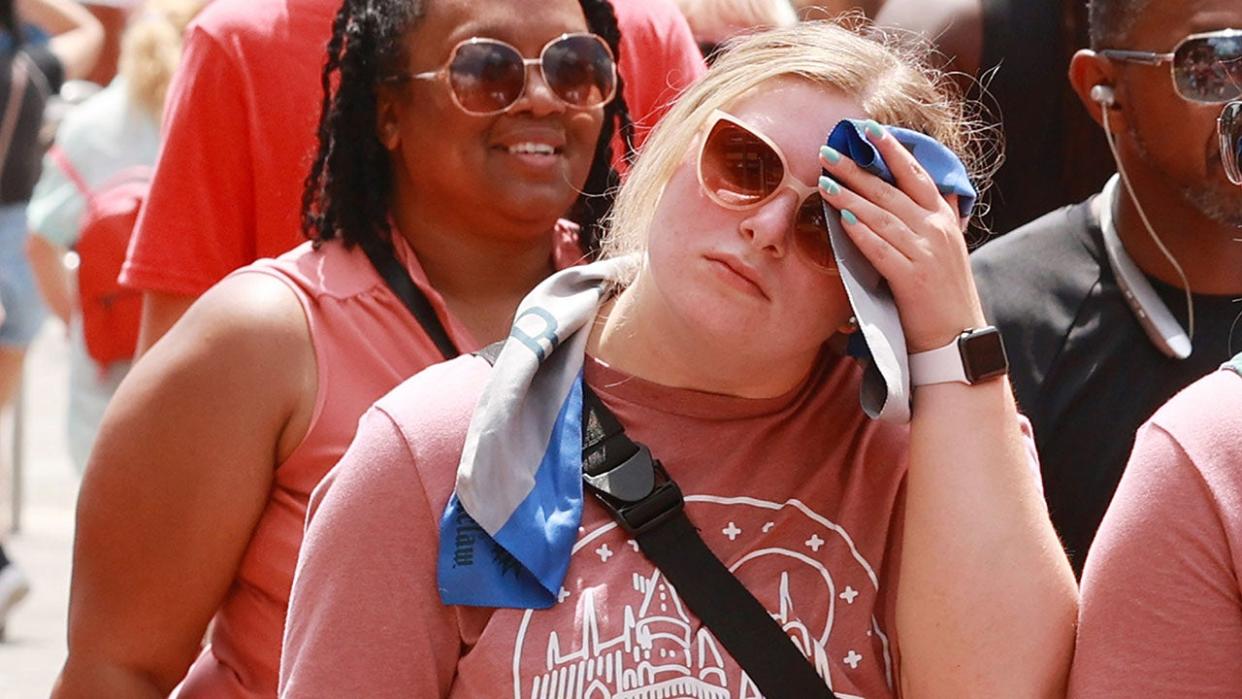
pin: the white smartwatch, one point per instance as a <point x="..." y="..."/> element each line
<point x="976" y="355"/>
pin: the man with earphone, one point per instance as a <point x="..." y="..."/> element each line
<point x="1111" y="306"/>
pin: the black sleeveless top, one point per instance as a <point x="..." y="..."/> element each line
<point x="44" y="75"/>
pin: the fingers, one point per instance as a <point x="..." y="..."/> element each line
<point x="888" y="260"/>
<point x="908" y="173"/>
<point x="874" y="189"/>
<point x="876" y="219"/>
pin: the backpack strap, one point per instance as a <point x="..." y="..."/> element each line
<point x="399" y="281"/>
<point x="58" y="156"/>
<point x="636" y="490"/>
<point x="19" y="76"/>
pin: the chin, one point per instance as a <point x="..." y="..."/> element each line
<point x="1221" y="203"/>
<point x="534" y="204"/>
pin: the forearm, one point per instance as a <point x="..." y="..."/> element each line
<point x="986" y="600"/>
<point x="46" y="261"/>
<point x="160" y="311"/>
<point x="87" y="679"/>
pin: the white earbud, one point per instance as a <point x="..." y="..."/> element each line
<point x="1103" y="94"/>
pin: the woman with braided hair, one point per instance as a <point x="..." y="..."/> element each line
<point x="453" y="139"/>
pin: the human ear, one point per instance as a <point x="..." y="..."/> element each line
<point x="1090" y="71"/>
<point x="387" y="121"/>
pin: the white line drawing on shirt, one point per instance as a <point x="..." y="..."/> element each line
<point x="653" y="648"/>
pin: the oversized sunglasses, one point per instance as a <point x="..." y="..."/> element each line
<point x="741" y="169"/>
<point x="487" y="76"/>
<point x="1229" y="125"/>
<point x="1205" y="67"/>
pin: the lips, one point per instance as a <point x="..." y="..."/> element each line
<point x="738" y="273"/>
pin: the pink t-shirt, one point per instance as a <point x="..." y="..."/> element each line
<point x="239" y="138"/>
<point x="1161" y="612"/>
<point x="365" y="343"/>
<point x="801" y="495"/>
<point x="240" y="131"/>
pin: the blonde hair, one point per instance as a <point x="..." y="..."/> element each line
<point x="886" y="73"/>
<point x="717" y="20"/>
<point x="151" y="50"/>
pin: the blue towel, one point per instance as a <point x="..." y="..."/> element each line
<point x="941" y="164"/>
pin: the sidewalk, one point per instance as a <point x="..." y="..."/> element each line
<point x="35" y="646"/>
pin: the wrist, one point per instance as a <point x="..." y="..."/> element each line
<point x="973" y="356"/>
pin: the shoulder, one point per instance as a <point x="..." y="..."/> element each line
<point x="94" y="124"/>
<point x="1204" y="421"/>
<point x="247" y="312"/>
<point x="1037" y="250"/>
<point x="1035" y="279"/>
<point x="331" y="270"/>
<point x="436" y="403"/>
<point x="430" y="414"/>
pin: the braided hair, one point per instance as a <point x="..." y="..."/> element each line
<point x="346" y="193"/>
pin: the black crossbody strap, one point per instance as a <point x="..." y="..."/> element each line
<point x="398" y="280"/>
<point x="637" y="492"/>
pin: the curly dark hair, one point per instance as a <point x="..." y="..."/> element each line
<point x="346" y="193"/>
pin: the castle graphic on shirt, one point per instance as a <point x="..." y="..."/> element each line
<point x="816" y="585"/>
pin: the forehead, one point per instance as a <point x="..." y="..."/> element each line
<point x="526" y="25"/>
<point x="1163" y="23"/>
<point x="798" y="115"/>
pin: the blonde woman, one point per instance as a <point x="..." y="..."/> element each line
<point x="914" y="560"/>
<point x="113" y="131"/>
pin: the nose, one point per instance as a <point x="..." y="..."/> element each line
<point x="537" y="99"/>
<point x="767" y="227"/>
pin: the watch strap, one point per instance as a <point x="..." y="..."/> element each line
<point x="940" y="365"/>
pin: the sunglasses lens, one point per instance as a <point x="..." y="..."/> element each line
<point x="737" y="168"/>
<point x="486" y="76"/>
<point x="1230" y="127"/>
<point x="580" y="70"/>
<point x="811" y="233"/>
<point x="1209" y="68"/>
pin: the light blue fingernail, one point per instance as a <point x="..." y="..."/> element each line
<point x="849" y="217"/>
<point x="873" y="130"/>
<point x="830" y="154"/>
<point x="826" y="184"/>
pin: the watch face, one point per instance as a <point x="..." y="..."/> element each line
<point x="983" y="355"/>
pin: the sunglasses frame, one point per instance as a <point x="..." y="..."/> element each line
<point x="1229" y="127"/>
<point x="1154" y="58"/>
<point x="788" y="181"/>
<point x="442" y="73"/>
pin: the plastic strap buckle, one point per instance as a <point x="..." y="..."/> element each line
<point x="637" y="492"/>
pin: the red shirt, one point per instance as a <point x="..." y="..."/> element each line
<point x="239" y="139"/>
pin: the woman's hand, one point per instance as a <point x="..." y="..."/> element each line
<point x="913" y="237"/>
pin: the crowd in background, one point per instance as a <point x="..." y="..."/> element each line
<point x="273" y="213"/>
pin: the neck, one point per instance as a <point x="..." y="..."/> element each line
<point x="1207" y="251"/>
<point x="638" y="334"/>
<point x="482" y="276"/>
